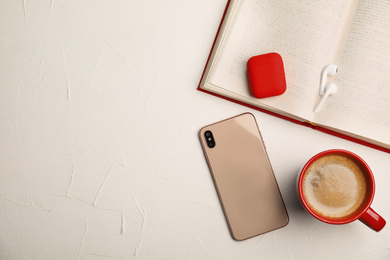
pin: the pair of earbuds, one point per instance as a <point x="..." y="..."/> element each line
<point x="326" y="90"/>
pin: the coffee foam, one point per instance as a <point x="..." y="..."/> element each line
<point x="334" y="186"/>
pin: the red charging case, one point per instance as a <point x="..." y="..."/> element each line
<point x="266" y="75"/>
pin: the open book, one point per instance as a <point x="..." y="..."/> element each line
<point x="309" y="35"/>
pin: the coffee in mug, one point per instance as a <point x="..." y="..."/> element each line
<point x="338" y="187"/>
<point x="334" y="186"/>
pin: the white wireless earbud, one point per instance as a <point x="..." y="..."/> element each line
<point x="330" y="89"/>
<point x="329" y="70"/>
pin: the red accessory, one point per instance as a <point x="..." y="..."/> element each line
<point x="266" y="75"/>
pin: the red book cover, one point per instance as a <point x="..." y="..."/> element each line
<point x="307" y="124"/>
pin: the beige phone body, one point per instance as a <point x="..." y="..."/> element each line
<point x="243" y="177"/>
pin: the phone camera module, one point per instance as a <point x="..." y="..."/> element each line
<point x="209" y="139"/>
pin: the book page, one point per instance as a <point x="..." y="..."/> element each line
<point x="305" y="33"/>
<point x="362" y="103"/>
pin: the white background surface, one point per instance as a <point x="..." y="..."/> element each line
<point x="99" y="152"/>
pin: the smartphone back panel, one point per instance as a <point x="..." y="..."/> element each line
<point x="243" y="176"/>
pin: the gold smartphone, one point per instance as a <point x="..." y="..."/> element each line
<point x="243" y="176"/>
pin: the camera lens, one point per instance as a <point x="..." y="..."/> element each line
<point x="209" y="139"/>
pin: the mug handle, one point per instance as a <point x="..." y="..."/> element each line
<point x="373" y="219"/>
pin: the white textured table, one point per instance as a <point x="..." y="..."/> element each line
<point x="99" y="153"/>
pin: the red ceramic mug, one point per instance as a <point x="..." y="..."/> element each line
<point x="337" y="187"/>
